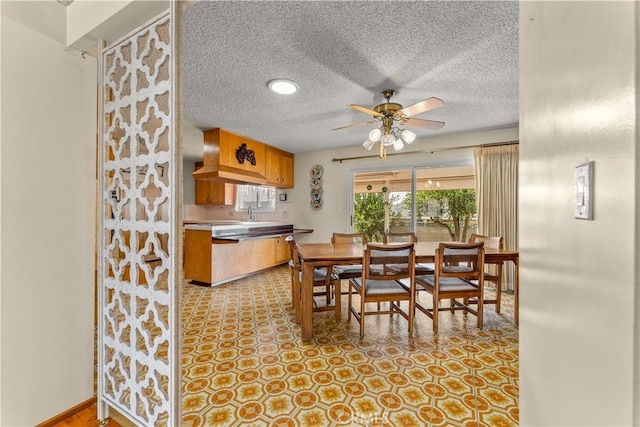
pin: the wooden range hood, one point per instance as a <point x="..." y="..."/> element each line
<point x="232" y="158"/>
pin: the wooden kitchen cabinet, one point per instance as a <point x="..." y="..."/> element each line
<point x="282" y="250"/>
<point x="232" y="158"/>
<point x="213" y="192"/>
<point x="279" y="168"/>
<point x="208" y="262"/>
<point x="197" y="255"/>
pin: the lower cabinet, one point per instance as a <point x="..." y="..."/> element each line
<point x="282" y="250"/>
<point x="209" y="262"/>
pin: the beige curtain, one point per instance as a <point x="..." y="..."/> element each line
<point x="497" y="196"/>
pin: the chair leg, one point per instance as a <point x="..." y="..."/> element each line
<point x="499" y="289"/>
<point x="295" y="299"/>
<point x="349" y="303"/>
<point x="338" y="297"/>
<point x="293" y="291"/>
<point x="436" y="304"/>
<point x="362" y="316"/>
<point x="479" y="313"/>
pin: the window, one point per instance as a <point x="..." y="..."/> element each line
<point x="259" y="198"/>
<point x="437" y="203"/>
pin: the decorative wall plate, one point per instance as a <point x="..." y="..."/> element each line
<point x="316" y="203"/>
<point x="317" y="193"/>
<point x="315" y="183"/>
<point x="317" y="171"/>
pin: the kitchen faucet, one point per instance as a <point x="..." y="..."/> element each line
<point x="250" y="212"/>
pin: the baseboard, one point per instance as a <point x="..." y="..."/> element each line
<point x="68" y="413"/>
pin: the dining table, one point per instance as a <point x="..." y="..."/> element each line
<point x="315" y="255"/>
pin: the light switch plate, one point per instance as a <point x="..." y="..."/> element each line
<point x="584" y="191"/>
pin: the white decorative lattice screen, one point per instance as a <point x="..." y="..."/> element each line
<point x="138" y="327"/>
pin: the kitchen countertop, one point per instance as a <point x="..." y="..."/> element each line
<point x="235" y="231"/>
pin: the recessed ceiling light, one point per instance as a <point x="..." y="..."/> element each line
<point x="283" y="86"/>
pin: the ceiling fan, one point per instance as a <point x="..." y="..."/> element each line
<point x="389" y="113"/>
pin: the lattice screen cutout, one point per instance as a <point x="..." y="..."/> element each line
<point x="137" y="277"/>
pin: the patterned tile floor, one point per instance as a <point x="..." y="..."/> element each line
<point x="244" y="364"/>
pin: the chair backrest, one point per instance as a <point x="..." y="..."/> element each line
<point x="293" y="251"/>
<point x="465" y="260"/>
<point x="494" y="242"/>
<point x="349" y="238"/>
<point x="377" y="256"/>
<point x="400" y="237"/>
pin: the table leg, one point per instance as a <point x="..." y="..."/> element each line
<point x="306" y="301"/>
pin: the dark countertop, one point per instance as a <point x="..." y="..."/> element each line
<point x="234" y="238"/>
<point x="225" y="232"/>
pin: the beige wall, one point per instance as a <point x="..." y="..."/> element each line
<point x="335" y="213"/>
<point x="47" y="178"/>
<point x="578" y="95"/>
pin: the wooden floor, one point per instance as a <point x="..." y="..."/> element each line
<point x="87" y="417"/>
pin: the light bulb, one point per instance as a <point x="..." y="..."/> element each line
<point x="407" y="136"/>
<point x="397" y="145"/>
<point x="368" y="144"/>
<point x="387" y="140"/>
<point x="375" y="135"/>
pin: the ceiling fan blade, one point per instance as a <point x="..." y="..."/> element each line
<point x="365" y="110"/>
<point x="421" y="107"/>
<point x="426" y="124"/>
<point x="355" y="124"/>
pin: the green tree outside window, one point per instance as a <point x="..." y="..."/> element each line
<point x="452" y="209"/>
<point x="368" y="214"/>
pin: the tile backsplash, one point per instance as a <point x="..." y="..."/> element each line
<point x="284" y="212"/>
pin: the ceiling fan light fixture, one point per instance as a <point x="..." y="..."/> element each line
<point x="375" y="135"/>
<point x="388" y="139"/>
<point x="283" y="86"/>
<point x="390" y="113"/>
<point x="407" y="136"/>
<point x="368" y="144"/>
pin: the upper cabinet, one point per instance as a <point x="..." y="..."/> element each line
<point x="232" y="158"/>
<point x="214" y="192"/>
<point x="236" y="159"/>
<point x="279" y="168"/>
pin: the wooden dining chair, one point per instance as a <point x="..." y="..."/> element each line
<point x="409" y="236"/>
<point x="346" y="272"/>
<point x="328" y="282"/>
<point x="398" y="237"/>
<point x="459" y="274"/>
<point x="495" y="276"/>
<point x="379" y="284"/>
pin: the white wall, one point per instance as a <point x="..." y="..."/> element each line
<point x="192" y="151"/>
<point x="578" y="94"/>
<point x="47" y="177"/>
<point x="334" y="215"/>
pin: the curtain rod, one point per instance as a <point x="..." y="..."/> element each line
<point x="430" y="151"/>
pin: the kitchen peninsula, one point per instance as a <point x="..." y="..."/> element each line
<point x="219" y="251"/>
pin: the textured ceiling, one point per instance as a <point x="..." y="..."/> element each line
<point x="343" y="52"/>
